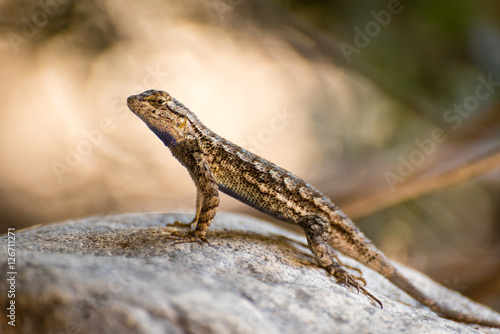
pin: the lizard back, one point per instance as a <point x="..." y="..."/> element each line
<point x="264" y="185"/>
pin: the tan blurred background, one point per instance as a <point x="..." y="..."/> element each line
<point x="389" y="107"/>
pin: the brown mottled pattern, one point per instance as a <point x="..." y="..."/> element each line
<point x="216" y="164"/>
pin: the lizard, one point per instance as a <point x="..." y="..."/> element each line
<point x="216" y="164"/>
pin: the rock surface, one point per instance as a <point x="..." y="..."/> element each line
<point x="116" y="274"/>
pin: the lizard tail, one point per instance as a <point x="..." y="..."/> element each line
<point x="404" y="284"/>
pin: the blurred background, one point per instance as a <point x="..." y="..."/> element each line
<point x="391" y="108"/>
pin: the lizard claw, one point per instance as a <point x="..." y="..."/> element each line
<point x="344" y="277"/>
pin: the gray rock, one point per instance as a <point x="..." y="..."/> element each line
<point x="116" y="274"/>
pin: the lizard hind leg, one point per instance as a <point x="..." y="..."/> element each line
<point x="342" y="276"/>
<point x="317" y="233"/>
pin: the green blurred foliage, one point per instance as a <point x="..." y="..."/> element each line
<point x="427" y="55"/>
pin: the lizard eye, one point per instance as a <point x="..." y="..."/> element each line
<point x="161" y="101"/>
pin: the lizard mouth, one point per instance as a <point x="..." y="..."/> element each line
<point x="131" y="99"/>
<point x="132" y="102"/>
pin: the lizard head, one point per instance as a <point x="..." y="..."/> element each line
<point x="164" y="115"/>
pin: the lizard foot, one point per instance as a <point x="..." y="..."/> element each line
<point x="190" y="237"/>
<point x="344" y="277"/>
<point x="343" y="265"/>
<point x="182" y="225"/>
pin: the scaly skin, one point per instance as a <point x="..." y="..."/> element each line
<point x="215" y="164"/>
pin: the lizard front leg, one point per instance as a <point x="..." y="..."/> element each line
<point x="207" y="199"/>
<point x="199" y="201"/>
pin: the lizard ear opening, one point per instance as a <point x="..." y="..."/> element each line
<point x="170" y="103"/>
<point x="183" y="124"/>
